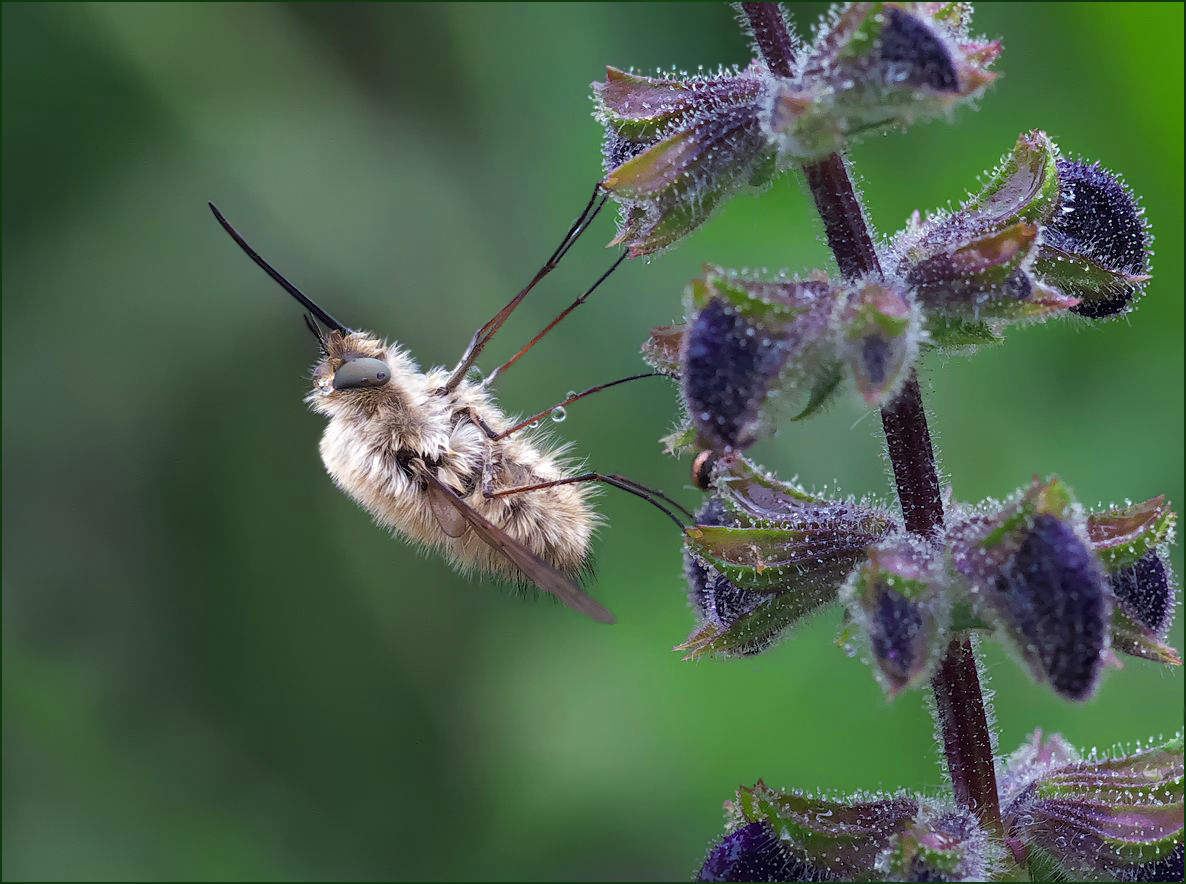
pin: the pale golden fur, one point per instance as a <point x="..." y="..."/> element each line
<point x="378" y="439"/>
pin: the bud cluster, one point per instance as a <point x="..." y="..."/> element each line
<point x="1064" y="816"/>
<point x="1065" y="589"/>
<point x="1101" y="817"/>
<point x="677" y="146"/>
<point x="1044" y="237"/>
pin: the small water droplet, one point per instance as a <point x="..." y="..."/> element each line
<point x="559" y="414"/>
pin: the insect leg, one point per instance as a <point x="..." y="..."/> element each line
<point x="650" y="495"/>
<point x="476" y="419"/>
<point x="555" y="322"/>
<point x="571" y="399"/>
<point x="483" y="335"/>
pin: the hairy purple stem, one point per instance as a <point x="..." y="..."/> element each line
<point x="967" y="742"/>
<point x="773" y="38"/>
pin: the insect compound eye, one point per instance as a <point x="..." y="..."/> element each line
<point x="361" y="372"/>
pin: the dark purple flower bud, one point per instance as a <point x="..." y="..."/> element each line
<point x="976" y="266"/>
<point x="1043" y="236"/>
<point x="1096" y="246"/>
<point x="1037" y="578"/>
<point x="833" y="840"/>
<point x="896" y="599"/>
<point x="719" y="604"/>
<point x="1166" y="868"/>
<point x="947" y="844"/>
<point x="748" y="342"/>
<point x="1054" y="595"/>
<point x="729" y="365"/>
<point x="1131" y="542"/>
<point x="677" y="147"/>
<point x="1102" y="818"/>
<point x="912" y="49"/>
<point x="1144" y="591"/>
<point x="879" y="335"/>
<point x="765" y="554"/>
<point x="752" y="853"/>
<point x="875" y="67"/>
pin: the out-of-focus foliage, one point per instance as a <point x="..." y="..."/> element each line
<point x="215" y="666"/>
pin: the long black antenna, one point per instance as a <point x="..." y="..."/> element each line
<point x="304" y="299"/>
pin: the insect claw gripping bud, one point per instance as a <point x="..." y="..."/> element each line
<point x="1033" y="573"/>
<point x="1098" y="818"/>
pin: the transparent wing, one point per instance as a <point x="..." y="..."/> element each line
<point x="537" y="570"/>
<point x="448" y="518"/>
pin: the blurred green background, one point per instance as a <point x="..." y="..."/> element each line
<point x="216" y="667"/>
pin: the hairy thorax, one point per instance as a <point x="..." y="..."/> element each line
<point x="379" y="442"/>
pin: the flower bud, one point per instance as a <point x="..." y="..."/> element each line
<point x="725" y="626"/>
<point x="832" y="840"/>
<point x="1096" y="246"/>
<point x="765" y="554"/>
<point x="1130" y="542"/>
<point x="974" y="267"/>
<point x="751" y="853"/>
<point x="875" y="67"/>
<point x="879" y="335"/>
<point x="785" y="538"/>
<point x="1145" y="594"/>
<point x="944" y="845"/>
<point x="1033" y="573"/>
<point x="747" y="341"/>
<point x="1101" y="818"/>
<point x="1044" y="235"/>
<point x="677" y="147"/>
<point x="1040" y="753"/>
<point x="896" y="599"/>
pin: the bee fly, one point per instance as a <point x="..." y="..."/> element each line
<point x="432" y="457"/>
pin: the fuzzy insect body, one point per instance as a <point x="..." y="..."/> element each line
<point x="382" y="444"/>
<point x="433" y="459"/>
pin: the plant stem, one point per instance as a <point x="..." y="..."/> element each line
<point x="959" y="702"/>
<point x="769" y="28"/>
